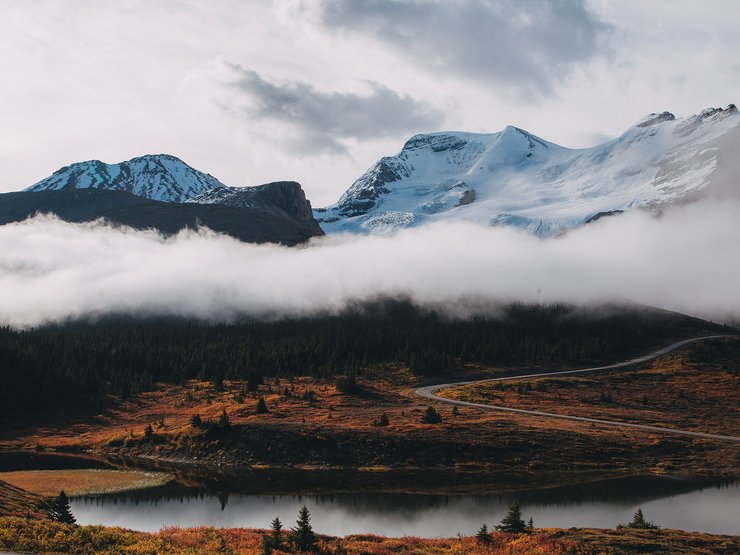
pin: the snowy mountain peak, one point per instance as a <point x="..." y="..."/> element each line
<point x="653" y="119"/>
<point x="516" y="178"/>
<point x="160" y="177"/>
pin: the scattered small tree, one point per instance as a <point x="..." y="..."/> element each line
<point x="512" y="522"/>
<point x="261" y="406"/>
<point x="348" y="384"/>
<point x="196" y="421"/>
<point x="455" y="410"/>
<point x="310" y="396"/>
<point x="303" y="535"/>
<point x="638" y="521"/>
<point x="60" y="509"/>
<point x="223" y="420"/>
<point x="276" y="538"/>
<point x="382" y="421"/>
<point x="530" y="524"/>
<point x="148" y="431"/>
<point x="482" y="536"/>
<point x="431" y="416"/>
<point x="605" y="397"/>
<point x="266" y="545"/>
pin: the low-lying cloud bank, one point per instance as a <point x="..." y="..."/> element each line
<point x="688" y="260"/>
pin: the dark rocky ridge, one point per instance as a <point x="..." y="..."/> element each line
<point x="250" y="224"/>
<point x="284" y="199"/>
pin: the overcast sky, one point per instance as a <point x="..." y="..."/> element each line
<point x="317" y="90"/>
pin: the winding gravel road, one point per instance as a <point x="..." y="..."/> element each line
<point x="430" y="392"/>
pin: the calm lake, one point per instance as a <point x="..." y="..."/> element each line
<point x="668" y="503"/>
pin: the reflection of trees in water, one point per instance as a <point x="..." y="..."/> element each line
<point x="632" y="490"/>
<point x="24" y="460"/>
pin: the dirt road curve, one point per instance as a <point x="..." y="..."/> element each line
<point x="430" y="392"/>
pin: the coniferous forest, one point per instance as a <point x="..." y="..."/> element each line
<point x="78" y="364"/>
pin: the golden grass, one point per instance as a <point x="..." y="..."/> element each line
<point x="37" y="535"/>
<point x="673" y="392"/>
<point x="680" y="392"/>
<point x="48" y="483"/>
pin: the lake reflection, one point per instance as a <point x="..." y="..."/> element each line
<point x="669" y="504"/>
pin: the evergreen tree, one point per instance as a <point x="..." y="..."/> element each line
<point x="303" y="535"/>
<point x="512" y="522"/>
<point x="638" y="521"/>
<point x="261" y="406"/>
<point x="148" y="431"/>
<point x="60" y="510"/>
<point x="431" y="416"/>
<point x="223" y="420"/>
<point x="382" y="421"/>
<point x="482" y="536"/>
<point x="266" y="545"/>
<point x="530" y="524"/>
<point x="276" y="534"/>
<point x="348" y="384"/>
<point x="196" y="421"/>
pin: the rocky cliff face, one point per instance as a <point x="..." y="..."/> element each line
<point x="282" y="198"/>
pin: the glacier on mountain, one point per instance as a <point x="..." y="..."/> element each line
<point x="517" y="179"/>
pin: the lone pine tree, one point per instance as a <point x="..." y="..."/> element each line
<point x="276" y="535"/>
<point x="638" y="521"/>
<point x="512" y="522"/>
<point x="431" y="416"/>
<point x="223" y="420"/>
<point x="303" y="535"/>
<point x="482" y="536"/>
<point x="60" y="510"/>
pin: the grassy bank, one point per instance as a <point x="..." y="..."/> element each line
<point x="48" y="483"/>
<point x="49" y="537"/>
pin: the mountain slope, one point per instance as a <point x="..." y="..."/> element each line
<point x="516" y="178"/>
<point x="250" y="224"/>
<point x="156" y="176"/>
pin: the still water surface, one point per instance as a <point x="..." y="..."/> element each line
<point x="713" y="509"/>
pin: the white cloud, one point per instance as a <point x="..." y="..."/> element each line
<point x="51" y="271"/>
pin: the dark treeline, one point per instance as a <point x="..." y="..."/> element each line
<point x="79" y="363"/>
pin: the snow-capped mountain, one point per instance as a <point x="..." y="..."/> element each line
<point x="516" y="178"/>
<point x="156" y="176"/>
<point x="162" y="192"/>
